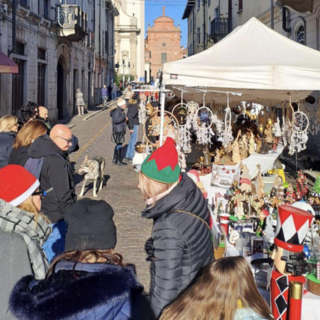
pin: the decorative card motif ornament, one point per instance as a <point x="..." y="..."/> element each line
<point x="224" y="175"/>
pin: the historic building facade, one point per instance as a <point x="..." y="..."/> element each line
<point x="129" y="39"/>
<point x="55" y="52"/>
<point x="162" y="45"/>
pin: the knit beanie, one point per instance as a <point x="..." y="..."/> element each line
<point x="162" y="164"/>
<point x="90" y="226"/>
<point x="16" y="184"/>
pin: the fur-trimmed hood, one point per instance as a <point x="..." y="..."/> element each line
<point x="100" y="291"/>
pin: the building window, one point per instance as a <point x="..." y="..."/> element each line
<point x="209" y="3"/>
<point x="240" y="5"/>
<point x="17" y="86"/>
<point x="216" y="12"/>
<point x="41" y="54"/>
<point x="163" y="57"/>
<point x="190" y="26"/>
<point x="198" y="4"/>
<point x="24" y="2"/>
<point x="300" y="35"/>
<point x="198" y="33"/>
<point x="20" y="48"/>
<point x="203" y="33"/>
<point x="46" y="6"/>
<point x="41" y="83"/>
<point x="209" y="26"/>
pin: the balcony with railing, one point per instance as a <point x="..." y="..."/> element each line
<point x="72" y="22"/>
<point x="219" y="28"/>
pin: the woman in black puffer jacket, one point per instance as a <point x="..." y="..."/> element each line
<point x="181" y="240"/>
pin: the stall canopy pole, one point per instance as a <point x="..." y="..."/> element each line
<point x="162" y="101"/>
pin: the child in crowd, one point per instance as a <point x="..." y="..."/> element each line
<point x="225" y="291"/>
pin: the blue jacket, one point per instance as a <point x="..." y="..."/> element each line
<point x="6" y="141"/>
<point x="99" y="291"/>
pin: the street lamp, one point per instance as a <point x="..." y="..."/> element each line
<point x="123" y="65"/>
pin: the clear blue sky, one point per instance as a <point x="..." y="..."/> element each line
<point x="174" y="10"/>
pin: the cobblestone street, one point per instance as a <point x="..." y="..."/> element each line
<point x="120" y="191"/>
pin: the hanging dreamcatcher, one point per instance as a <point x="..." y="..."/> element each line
<point x="287" y="123"/>
<point x="152" y="127"/>
<point x="226" y="136"/>
<point x="204" y="121"/>
<point x="299" y="136"/>
<point x="183" y="115"/>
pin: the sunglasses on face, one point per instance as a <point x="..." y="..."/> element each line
<point x="68" y="140"/>
<point x="41" y="193"/>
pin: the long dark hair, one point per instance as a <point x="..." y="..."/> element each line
<point x="92" y="256"/>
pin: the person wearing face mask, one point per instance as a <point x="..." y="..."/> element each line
<point x="23" y="231"/>
<point x="8" y="129"/>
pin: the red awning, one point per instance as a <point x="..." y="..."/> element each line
<point x="7" y="65"/>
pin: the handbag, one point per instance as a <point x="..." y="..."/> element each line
<point x="117" y="137"/>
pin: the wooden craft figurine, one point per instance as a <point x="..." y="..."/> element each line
<point x="251" y="143"/>
<point x="235" y="149"/>
<point x="268" y="134"/>
<point x="258" y="142"/>
<point x="290" y="195"/>
<point x="301" y="185"/>
<point x="243" y="146"/>
<point x="292" y="228"/>
<point x="217" y="156"/>
<point x="206" y="166"/>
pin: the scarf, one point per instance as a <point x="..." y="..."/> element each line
<point x="161" y="195"/>
<point x="14" y="220"/>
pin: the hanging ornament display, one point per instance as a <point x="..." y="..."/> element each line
<point x="299" y="137"/>
<point x="226" y="136"/>
<point x="204" y="122"/>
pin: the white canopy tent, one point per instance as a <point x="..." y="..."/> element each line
<point x="255" y="60"/>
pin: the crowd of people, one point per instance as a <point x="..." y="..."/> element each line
<point x="58" y="258"/>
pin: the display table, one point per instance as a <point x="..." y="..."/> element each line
<point x="266" y="161"/>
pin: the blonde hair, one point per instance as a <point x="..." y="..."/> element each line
<point x="29" y="206"/>
<point x="216" y="293"/>
<point x="151" y="188"/>
<point x="29" y="132"/>
<point x="7" y="123"/>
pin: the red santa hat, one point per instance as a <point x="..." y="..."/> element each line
<point x="16" y="184"/>
<point x="292" y="228"/>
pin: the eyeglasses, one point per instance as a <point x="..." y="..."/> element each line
<point x="41" y="193"/>
<point x="68" y="140"/>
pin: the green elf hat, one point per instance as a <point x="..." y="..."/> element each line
<point x="162" y="164"/>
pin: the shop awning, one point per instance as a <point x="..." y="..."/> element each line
<point x="7" y="65"/>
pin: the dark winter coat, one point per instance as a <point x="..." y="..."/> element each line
<point x="100" y="292"/>
<point x="19" y="156"/>
<point x="181" y="244"/>
<point x="56" y="173"/>
<point x="118" y="120"/>
<point x="6" y="141"/>
<point x="133" y="116"/>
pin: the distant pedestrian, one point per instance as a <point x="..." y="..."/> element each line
<point x="8" y="130"/>
<point x="43" y="115"/>
<point x="104" y="93"/>
<point x="23" y="140"/>
<point x="225" y="290"/>
<point x="110" y="91"/>
<point x="133" y="125"/>
<point x="114" y="91"/>
<point x="128" y="93"/>
<point x="80" y="102"/>
<point x="180" y="243"/>
<point x="89" y="281"/>
<point x="118" y="130"/>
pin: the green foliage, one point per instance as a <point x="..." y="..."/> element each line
<point x="119" y="77"/>
<point x="316" y="186"/>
